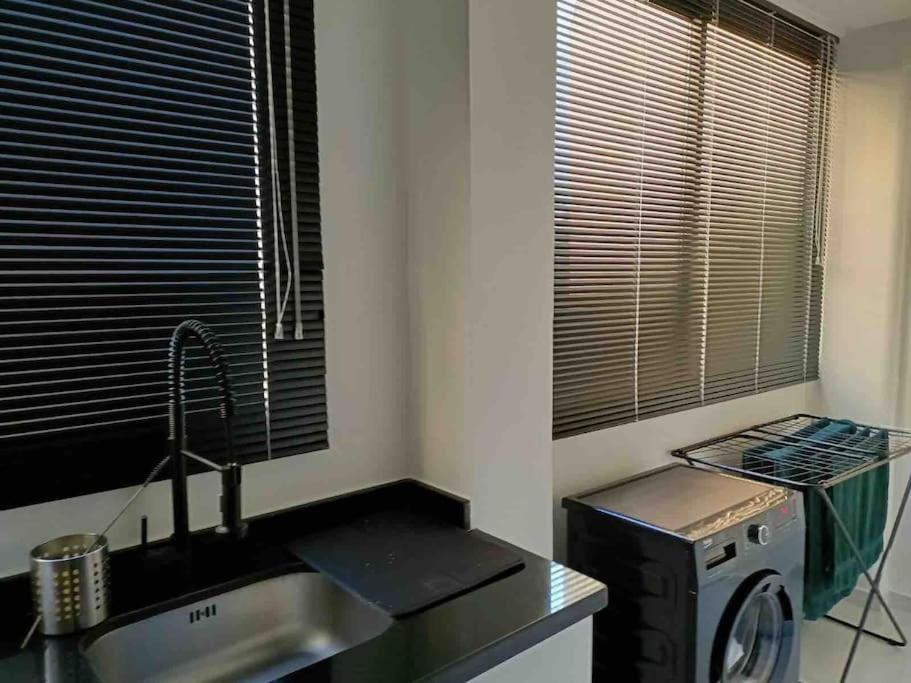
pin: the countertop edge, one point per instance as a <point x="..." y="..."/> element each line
<point x="587" y="596"/>
<point x="518" y="642"/>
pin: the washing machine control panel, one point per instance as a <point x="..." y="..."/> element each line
<point x="720" y="550"/>
<point x="765" y="528"/>
<point x="784" y="513"/>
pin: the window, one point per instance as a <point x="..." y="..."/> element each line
<point x="690" y="205"/>
<point x="135" y="196"/>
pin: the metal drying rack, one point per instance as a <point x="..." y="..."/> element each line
<point x="816" y="466"/>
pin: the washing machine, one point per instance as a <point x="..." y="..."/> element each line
<point x="704" y="574"/>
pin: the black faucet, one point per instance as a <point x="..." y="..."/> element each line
<point x="231" y="521"/>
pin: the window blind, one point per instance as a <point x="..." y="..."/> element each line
<point x="130" y="170"/>
<point x="690" y="173"/>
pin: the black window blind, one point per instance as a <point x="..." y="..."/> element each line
<point x="131" y="201"/>
<point x="690" y="205"/>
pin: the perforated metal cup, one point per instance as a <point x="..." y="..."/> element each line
<point x="70" y="585"/>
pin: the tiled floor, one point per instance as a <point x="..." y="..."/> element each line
<point x="826" y="645"/>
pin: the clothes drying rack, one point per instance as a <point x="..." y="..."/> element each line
<point x="820" y="465"/>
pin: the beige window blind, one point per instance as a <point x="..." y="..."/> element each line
<point x="690" y="198"/>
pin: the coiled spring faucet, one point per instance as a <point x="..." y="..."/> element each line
<point x="231" y="518"/>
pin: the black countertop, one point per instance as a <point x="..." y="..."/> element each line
<point x="452" y="641"/>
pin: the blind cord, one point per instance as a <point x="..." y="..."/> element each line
<point x="819" y="229"/>
<point x="279" y="241"/>
<point x="292" y="174"/>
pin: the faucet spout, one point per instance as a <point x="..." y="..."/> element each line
<point x="177" y="438"/>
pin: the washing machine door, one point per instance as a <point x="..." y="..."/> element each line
<point x="756" y="633"/>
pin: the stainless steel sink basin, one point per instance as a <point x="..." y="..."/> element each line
<point x="257" y="632"/>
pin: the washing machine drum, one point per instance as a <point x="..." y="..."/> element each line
<point x="756" y="634"/>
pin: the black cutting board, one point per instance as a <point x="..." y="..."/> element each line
<point x="403" y="563"/>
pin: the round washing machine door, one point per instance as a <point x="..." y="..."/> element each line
<point x="756" y="633"/>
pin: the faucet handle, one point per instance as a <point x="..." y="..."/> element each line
<point x="230" y="501"/>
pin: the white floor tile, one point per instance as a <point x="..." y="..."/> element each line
<point x="826" y="645"/>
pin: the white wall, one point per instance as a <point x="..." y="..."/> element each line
<point x="822" y="13"/>
<point x="478" y="98"/>
<point x="866" y="359"/>
<point x="509" y="354"/>
<point x="866" y="253"/>
<point x="366" y="306"/>
<point x="436" y="136"/>
<point x="479" y="146"/>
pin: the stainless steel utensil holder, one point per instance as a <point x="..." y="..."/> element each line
<point x="70" y="587"/>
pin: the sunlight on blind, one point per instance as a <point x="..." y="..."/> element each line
<point x="753" y="215"/>
<point x="686" y="169"/>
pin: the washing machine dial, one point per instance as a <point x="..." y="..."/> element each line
<point x="759" y="533"/>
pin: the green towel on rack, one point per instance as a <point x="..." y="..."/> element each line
<point x="862" y="502"/>
<point x="785" y="462"/>
<point x="831" y="570"/>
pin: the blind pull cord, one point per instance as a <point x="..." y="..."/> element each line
<point x="822" y="177"/>
<point x="292" y="176"/>
<point x="279" y="243"/>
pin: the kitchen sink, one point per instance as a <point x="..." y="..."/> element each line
<point x="256" y="632"/>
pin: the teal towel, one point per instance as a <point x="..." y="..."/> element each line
<point x="862" y="502"/>
<point x="787" y="462"/>
<point x="831" y="570"/>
